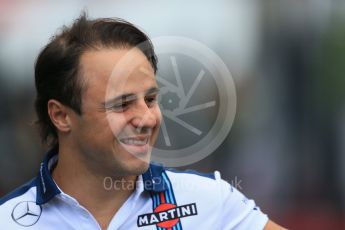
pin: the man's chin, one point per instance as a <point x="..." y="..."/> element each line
<point x="135" y="167"/>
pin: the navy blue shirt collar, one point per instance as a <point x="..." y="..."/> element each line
<point x="47" y="189"/>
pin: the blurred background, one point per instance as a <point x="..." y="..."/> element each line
<point x="287" y="58"/>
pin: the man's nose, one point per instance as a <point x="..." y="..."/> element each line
<point x="144" y="116"/>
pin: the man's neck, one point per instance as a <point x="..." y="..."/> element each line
<point x="89" y="189"/>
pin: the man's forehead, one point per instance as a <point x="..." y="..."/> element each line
<point x="110" y="59"/>
<point x="100" y="60"/>
<point x="117" y="68"/>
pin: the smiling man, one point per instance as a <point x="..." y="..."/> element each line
<point x="97" y="108"/>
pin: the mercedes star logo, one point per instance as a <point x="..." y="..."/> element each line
<point x="26" y="213"/>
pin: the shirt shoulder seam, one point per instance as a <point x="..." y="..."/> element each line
<point x="192" y="172"/>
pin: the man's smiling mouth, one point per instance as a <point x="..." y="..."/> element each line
<point x="136" y="141"/>
<point x="136" y="145"/>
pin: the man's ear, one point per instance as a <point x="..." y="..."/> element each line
<point x="59" y="115"/>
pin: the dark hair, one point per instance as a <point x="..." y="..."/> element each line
<point x="57" y="66"/>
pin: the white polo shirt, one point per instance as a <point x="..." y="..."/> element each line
<point x="163" y="199"/>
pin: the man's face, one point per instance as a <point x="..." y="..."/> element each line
<point x="120" y="116"/>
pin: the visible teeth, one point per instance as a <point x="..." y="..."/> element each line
<point x="134" y="142"/>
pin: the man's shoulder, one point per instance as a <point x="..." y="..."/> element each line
<point x="23" y="192"/>
<point x="216" y="199"/>
<point x="13" y="206"/>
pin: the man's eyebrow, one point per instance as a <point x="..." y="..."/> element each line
<point x="152" y="90"/>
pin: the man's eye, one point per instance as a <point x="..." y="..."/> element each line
<point x="151" y="100"/>
<point x="120" y="107"/>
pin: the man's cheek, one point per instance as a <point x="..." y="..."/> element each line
<point x="116" y="122"/>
